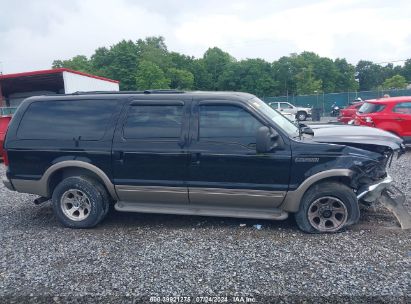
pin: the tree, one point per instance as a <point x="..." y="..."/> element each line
<point x="131" y="62"/>
<point x="119" y="62"/>
<point x="284" y="72"/>
<point x="252" y="75"/>
<point x="371" y="75"/>
<point x="395" y="82"/>
<point x="306" y="83"/>
<point x="150" y="76"/>
<point x="345" y="81"/>
<point x="78" y="63"/>
<point x="215" y="61"/>
<point x="154" y="49"/>
<point x="406" y="70"/>
<point x="180" y="79"/>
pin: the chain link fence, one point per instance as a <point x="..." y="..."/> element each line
<point x="325" y="101"/>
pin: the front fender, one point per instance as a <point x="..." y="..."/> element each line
<point x="293" y="198"/>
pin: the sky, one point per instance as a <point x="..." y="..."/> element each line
<point x="33" y="33"/>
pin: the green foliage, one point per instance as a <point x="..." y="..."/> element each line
<point x="252" y="75"/>
<point x="215" y="62"/>
<point x="180" y="79"/>
<point x="306" y="82"/>
<point x="373" y="75"/>
<point x="345" y="80"/>
<point x="119" y="62"/>
<point x="78" y="63"/>
<point x="154" y="49"/>
<point x="395" y="82"/>
<point x="148" y="64"/>
<point x="151" y="76"/>
<point x="406" y="70"/>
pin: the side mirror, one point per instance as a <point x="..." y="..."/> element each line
<point x="307" y="130"/>
<point x="267" y="140"/>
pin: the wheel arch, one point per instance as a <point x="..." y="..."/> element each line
<point x="293" y="198"/>
<point x="57" y="172"/>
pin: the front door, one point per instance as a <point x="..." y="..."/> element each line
<point x="149" y="154"/>
<point x="225" y="169"/>
<point x="403" y="119"/>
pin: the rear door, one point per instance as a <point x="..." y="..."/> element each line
<point x="149" y="152"/>
<point x="225" y="170"/>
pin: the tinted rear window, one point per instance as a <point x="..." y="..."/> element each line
<point x="66" y="119"/>
<point x="371" y="108"/>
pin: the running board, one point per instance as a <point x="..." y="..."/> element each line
<point x="268" y="214"/>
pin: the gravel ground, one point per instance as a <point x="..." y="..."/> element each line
<point x="130" y="257"/>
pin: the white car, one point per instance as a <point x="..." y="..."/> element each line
<point x="300" y="113"/>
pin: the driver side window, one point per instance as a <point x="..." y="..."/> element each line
<point x="227" y="123"/>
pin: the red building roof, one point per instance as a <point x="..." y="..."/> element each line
<point x="53" y="71"/>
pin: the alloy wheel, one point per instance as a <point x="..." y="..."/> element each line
<point x="327" y="214"/>
<point x="75" y="204"/>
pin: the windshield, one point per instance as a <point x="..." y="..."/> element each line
<point x="371" y="108"/>
<point x="284" y="123"/>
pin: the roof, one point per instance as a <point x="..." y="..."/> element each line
<point x="53" y="71"/>
<point x="390" y="99"/>
<point x="148" y="95"/>
<point x="190" y="94"/>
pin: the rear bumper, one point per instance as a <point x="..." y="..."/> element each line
<point x="8" y="184"/>
<point x="372" y="192"/>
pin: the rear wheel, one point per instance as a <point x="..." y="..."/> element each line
<point x="80" y="202"/>
<point x="302" y="116"/>
<point x="327" y="207"/>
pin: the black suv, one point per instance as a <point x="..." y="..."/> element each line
<point x="200" y="153"/>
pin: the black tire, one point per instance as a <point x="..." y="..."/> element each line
<point x="335" y="198"/>
<point x="301" y="116"/>
<point x="93" y="193"/>
<point x="107" y="201"/>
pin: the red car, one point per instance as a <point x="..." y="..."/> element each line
<point x="348" y="113"/>
<point x="390" y="114"/>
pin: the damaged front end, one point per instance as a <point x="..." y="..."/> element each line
<point x="370" y="179"/>
<point x="376" y="187"/>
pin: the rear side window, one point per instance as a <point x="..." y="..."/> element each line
<point x="156" y="121"/>
<point x="227" y="123"/>
<point x="403" y="108"/>
<point x="371" y="108"/>
<point x="65" y="120"/>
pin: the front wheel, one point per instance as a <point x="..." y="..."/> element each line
<point x="327" y="207"/>
<point x="79" y="202"/>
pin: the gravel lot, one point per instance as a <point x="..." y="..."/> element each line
<point x="130" y="257"/>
